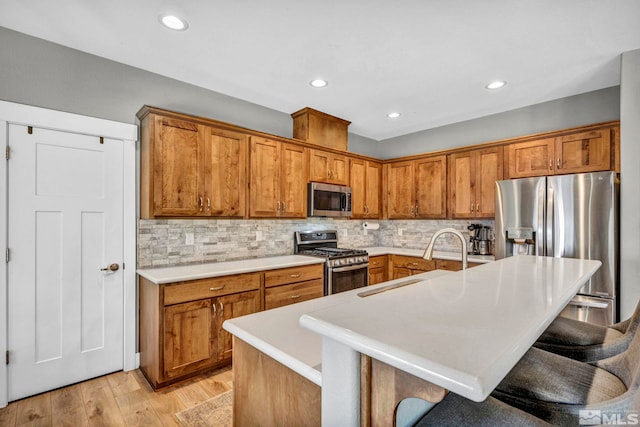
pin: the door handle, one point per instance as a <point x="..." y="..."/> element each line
<point x="112" y="267"/>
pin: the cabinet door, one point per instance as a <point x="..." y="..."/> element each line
<point x="462" y="173"/>
<point x="400" y="272"/>
<point x="357" y="178"/>
<point x="294" y="181"/>
<point x="377" y="275"/>
<point x="489" y="167"/>
<point x="264" y="178"/>
<point x="431" y="187"/>
<point x="228" y="307"/>
<point x="328" y="167"/>
<point x="319" y="165"/>
<point x="584" y="152"/>
<point x="189" y="341"/>
<point x="225" y="157"/>
<point x="400" y="190"/>
<point x="178" y="168"/>
<point x="531" y="158"/>
<point x="372" y="189"/>
<point x="339" y="170"/>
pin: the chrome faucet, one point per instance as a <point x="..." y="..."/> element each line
<point x="428" y="253"/>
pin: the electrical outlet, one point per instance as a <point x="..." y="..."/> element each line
<point x="258" y="235"/>
<point x="400" y="230"/>
<point x="188" y="239"/>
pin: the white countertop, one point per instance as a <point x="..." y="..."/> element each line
<point x="463" y="331"/>
<point x="278" y="333"/>
<point x="451" y="256"/>
<point x="217" y="269"/>
<point x="181" y="273"/>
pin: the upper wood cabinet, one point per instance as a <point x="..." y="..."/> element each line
<point x="320" y="128"/>
<point x="472" y="176"/>
<point x="417" y="188"/>
<point x="328" y="167"/>
<point x="278" y="179"/>
<point x="366" y="183"/>
<point x="587" y="151"/>
<point x="584" y="152"/>
<point x="189" y="169"/>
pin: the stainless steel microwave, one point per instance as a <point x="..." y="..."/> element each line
<point x="328" y="200"/>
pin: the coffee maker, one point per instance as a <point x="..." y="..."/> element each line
<point x="479" y="239"/>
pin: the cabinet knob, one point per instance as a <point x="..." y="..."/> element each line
<point x="558" y="163"/>
<point x="219" y="288"/>
<point x="295" y="276"/>
<point x="201" y="203"/>
<point x="295" y="296"/>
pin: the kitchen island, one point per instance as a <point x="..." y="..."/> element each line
<point x="459" y="331"/>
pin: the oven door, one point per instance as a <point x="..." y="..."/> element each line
<point x="340" y="279"/>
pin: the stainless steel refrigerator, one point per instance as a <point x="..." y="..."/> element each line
<point x="572" y="216"/>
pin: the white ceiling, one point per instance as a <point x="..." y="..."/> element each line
<point x="429" y="59"/>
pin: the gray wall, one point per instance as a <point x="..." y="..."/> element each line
<point x="629" y="179"/>
<point x="593" y="107"/>
<point x="44" y="74"/>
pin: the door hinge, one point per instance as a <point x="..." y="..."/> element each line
<point x="7" y="255"/>
<point x="7" y="357"/>
<point x="7" y="152"/>
<point x="30" y="130"/>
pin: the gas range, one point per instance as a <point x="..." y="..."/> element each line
<point x="345" y="268"/>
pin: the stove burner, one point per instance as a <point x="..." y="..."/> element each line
<point x="332" y="253"/>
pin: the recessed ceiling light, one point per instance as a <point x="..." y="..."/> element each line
<point x="394" y="115"/>
<point x="173" y="22"/>
<point x="318" y="83"/>
<point x="496" y="85"/>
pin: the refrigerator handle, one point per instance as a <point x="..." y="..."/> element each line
<point x="550" y="229"/>
<point x="540" y="242"/>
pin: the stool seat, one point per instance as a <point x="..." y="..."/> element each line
<point x="455" y="410"/>
<point x="588" y="342"/>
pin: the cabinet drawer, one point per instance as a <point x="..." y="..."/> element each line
<point x="207" y="288"/>
<point x="285" y="276"/>
<point x="296" y="292"/>
<point x="377" y="261"/>
<point x="413" y="263"/>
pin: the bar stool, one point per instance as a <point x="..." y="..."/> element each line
<point x="556" y="388"/>
<point x="455" y="410"/>
<point x="588" y="342"/>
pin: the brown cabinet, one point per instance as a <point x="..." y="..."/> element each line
<point x="291" y="285"/>
<point x="472" y="177"/>
<point x="278" y="179"/>
<point x="365" y="181"/>
<point x="181" y="331"/>
<point x="445" y="264"/>
<point x="417" y="188"/>
<point x="189" y="169"/>
<point x="404" y="266"/>
<point x="578" y="152"/>
<point x="328" y="167"/>
<point x="320" y="128"/>
<point x="377" y="269"/>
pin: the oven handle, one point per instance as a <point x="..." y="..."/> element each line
<point x="349" y="268"/>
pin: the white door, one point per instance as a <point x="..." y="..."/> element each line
<point x="65" y="216"/>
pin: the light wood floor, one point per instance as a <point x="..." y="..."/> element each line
<point x="118" y="399"/>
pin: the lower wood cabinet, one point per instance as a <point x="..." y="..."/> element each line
<point x="181" y="332"/>
<point x="404" y="266"/>
<point x="445" y="264"/>
<point x="291" y="285"/>
<point x="377" y="269"/>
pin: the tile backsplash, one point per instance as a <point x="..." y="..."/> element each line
<point x="170" y="242"/>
